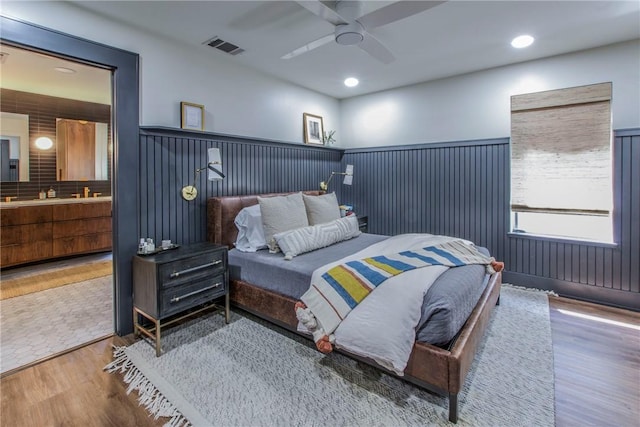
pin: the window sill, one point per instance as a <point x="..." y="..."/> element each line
<point x="557" y="239"/>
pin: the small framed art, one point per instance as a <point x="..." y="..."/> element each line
<point x="313" y="129"/>
<point x="191" y="116"/>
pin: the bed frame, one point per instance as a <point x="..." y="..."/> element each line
<point x="430" y="367"/>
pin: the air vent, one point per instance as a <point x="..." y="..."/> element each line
<point x="224" y="46"/>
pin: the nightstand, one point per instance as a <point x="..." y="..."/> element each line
<point x="177" y="283"/>
<point x="363" y="223"/>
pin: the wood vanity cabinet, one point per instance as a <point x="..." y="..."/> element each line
<point x="40" y="232"/>
<point x="81" y="228"/>
<point x="26" y="234"/>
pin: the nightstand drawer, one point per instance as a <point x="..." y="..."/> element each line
<point x="174" y="300"/>
<point x="188" y="269"/>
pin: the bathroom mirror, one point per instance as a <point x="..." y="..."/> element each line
<point x="14" y="129"/>
<point x="81" y="149"/>
<point x="36" y="91"/>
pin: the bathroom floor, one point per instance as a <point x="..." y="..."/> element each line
<point x="37" y="326"/>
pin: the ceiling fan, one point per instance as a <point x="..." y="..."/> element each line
<point x="351" y="27"/>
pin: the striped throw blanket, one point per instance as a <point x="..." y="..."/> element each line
<point x="344" y="286"/>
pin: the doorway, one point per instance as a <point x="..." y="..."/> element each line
<point x="51" y="305"/>
<point x="124" y="185"/>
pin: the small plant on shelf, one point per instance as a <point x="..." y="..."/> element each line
<point x="328" y="138"/>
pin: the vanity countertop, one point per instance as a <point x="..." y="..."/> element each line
<point x="53" y="201"/>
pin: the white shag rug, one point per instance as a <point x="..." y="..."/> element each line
<point x="248" y="374"/>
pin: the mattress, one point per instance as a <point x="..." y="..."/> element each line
<point x="445" y="309"/>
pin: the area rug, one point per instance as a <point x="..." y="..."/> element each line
<point x="36" y="326"/>
<point x="52" y="279"/>
<point x="249" y="373"/>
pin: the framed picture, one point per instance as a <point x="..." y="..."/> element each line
<point x="191" y="116"/>
<point x="313" y="129"/>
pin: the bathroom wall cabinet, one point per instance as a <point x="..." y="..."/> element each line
<point x="40" y="232"/>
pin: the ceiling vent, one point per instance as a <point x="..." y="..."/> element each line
<point x="224" y="46"/>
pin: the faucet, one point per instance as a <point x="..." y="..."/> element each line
<point x="9" y="198"/>
<point x="86" y="192"/>
<point x="75" y="195"/>
<point x="96" y="194"/>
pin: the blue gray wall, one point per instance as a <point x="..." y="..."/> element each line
<point x="169" y="158"/>
<point x="462" y="189"/>
<point x="459" y="189"/>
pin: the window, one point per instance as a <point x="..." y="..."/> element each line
<point x="561" y="163"/>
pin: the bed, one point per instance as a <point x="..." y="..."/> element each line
<point x="439" y="368"/>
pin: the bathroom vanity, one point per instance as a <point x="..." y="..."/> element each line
<point x="37" y="230"/>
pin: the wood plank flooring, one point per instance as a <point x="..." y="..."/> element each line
<point x="597" y="377"/>
<point x="596" y="354"/>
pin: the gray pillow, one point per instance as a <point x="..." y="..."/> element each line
<point x="281" y="213"/>
<point x="306" y="239"/>
<point x="321" y="209"/>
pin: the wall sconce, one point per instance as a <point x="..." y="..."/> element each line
<point x="44" y="143"/>
<point x="214" y="173"/>
<point x="348" y="178"/>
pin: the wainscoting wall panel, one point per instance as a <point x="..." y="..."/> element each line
<point x="462" y="189"/>
<point x="169" y="158"/>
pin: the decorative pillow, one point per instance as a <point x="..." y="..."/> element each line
<point x="321" y="209"/>
<point x="250" y="230"/>
<point x="281" y="213"/>
<point x="306" y="239"/>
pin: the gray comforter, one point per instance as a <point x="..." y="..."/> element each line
<point x="446" y="305"/>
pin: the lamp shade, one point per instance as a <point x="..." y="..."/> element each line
<point x="214" y="170"/>
<point x="348" y="175"/>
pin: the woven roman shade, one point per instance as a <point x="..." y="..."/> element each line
<point x="561" y="151"/>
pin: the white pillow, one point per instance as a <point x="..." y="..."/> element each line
<point x="250" y="231"/>
<point x="321" y="209"/>
<point x="281" y="213"/>
<point x="306" y="239"/>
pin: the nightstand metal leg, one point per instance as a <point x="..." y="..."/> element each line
<point x="226" y="308"/>
<point x="136" y="331"/>
<point x="158" y="347"/>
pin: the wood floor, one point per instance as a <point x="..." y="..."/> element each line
<point x="596" y="357"/>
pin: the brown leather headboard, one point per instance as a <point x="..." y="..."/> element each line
<point x="222" y="211"/>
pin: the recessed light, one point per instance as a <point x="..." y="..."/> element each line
<point x="65" y="70"/>
<point x="351" y="82"/>
<point x="522" y="41"/>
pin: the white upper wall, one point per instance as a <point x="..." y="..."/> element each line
<point x="237" y="100"/>
<point x="241" y="101"/>
<point x="477" y="105"/>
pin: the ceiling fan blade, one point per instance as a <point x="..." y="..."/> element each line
<point x="395" y="12"/>
<point x="310" y="46"/>
<point x="376" y="49"/>
<point x="323" y="11"/>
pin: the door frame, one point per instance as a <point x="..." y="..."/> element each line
<point x="125" y="122"/>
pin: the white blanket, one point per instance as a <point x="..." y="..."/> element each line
<point x="382" y="326"/>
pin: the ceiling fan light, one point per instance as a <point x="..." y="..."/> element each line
<point x="351" y="82"/>
<point x="349" y="34"/>
<point x="522" y="41"/>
